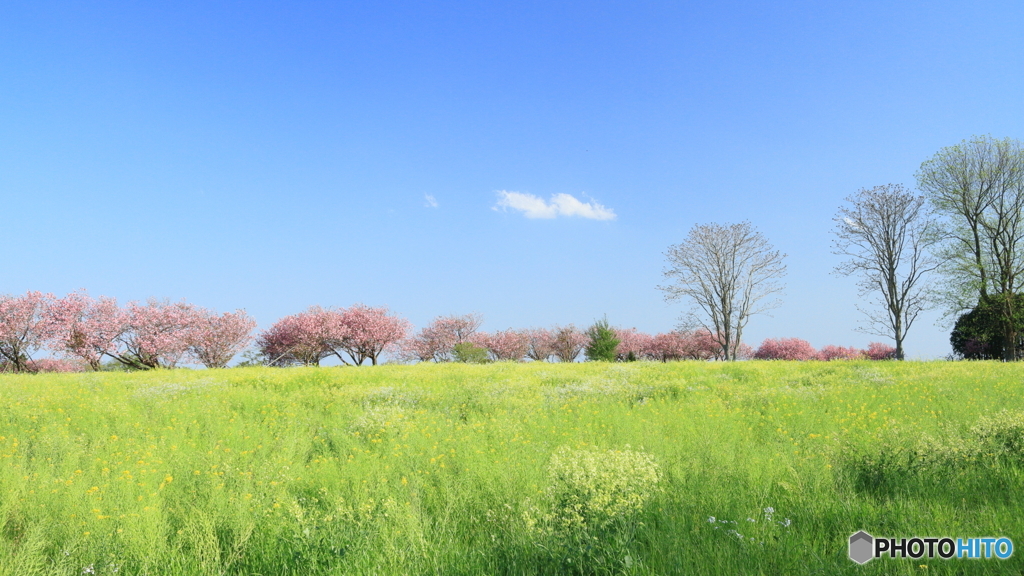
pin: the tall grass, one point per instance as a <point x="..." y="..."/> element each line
<point x="641" y="468"/>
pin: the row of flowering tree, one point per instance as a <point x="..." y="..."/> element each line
<point x="86" y="330"/>
<point x="352" y="335"/>
<point x="797" y="349"/>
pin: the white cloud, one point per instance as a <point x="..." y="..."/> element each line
<point x="560" y="205"/>
<point x="431" y="201"/>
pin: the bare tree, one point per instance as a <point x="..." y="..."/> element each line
<point x="978" y="185"/>
<point x="886" y="233"/>
<point x="728" y="272"/>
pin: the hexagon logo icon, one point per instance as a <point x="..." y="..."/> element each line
<point x="862" y="547"/>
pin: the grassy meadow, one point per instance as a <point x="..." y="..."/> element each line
<point x="594" y="468"/>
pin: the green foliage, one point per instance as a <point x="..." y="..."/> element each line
<point x="115" y="366"/>
<point x="1001" y="434"/>
<point x="593" y="502"/>
<point x="602" y="342"/>
<point x="252" y="358"/>
<point x="980" y="333"/>
<point x="503" y="469"/>
<point x="894" y="460"/>
<point x="470" y="353"/>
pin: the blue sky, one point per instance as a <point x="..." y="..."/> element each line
<point x="271" y="156"/>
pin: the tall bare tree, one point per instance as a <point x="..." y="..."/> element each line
<point x="978" y="185"/>
<point x="728" y="271"/>
<point x="886" y="233"/>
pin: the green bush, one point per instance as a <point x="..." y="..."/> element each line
<point x="602" y="342"/>
<point x="594" y="499"/>
<point x="470" y="353"/>
<point x="1001" y="435"/>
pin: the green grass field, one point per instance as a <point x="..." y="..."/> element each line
<point x="509" y="468"/>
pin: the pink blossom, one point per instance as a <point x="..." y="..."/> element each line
<point x="158" y="334"/>
<point x="701" y="344"/>
<point x="880" y="351"/>
<point x="86" y="328"/>
<point x="55" y="365"/>
<point x="567" y="342"/>
<point x="25" y="327"/>
<point x="438" y="339"/>
<point x="665" y="347"/>
<point x="632" y="344"/>
<point x="785" y="349"/>
<point x="367" y="332"/>
<point x="831" y="352"/>
<point x="508" y="345"/>
<point x="541" y="344"/>
<point x="215" y="340"/>
<point x="296" y="339"/>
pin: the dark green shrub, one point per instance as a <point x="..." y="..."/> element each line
<point x="602" y="342"/>
<point x="470" y="353"/>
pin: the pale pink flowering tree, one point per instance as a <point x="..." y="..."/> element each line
<point x="438" y="339"/>
<point x="25" y="327"/>
<point x="56" y="365"/>
<point x="158" y="334"/>
<point x="785" y="349"/>
<point x="567" y="342"/>
<point x="632" y="344"/>
<point x="367" y="332"/>
<point x="665" y="347"/>
<point x="295" y="339"/>
<point x="353" y="335"/>
<point x="880" y="351"/>
<point x="541" y="344"/>
<point x="744" y="352"/>
<point x="701" y="344"/>
<point x="508" y="344"/>
<point x="415" y="349"/>
<point x="687" y="345"/>
<point x="86" y="328"/>
<point x="216" y="339"/>
<point x="326" y="329"/>
<point x="831" y="352"/>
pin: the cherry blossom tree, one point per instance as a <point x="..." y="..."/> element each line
<point x="55" y="365"/>
<point x="509" y="344"/>
<point x="701" y="344"/>
<point x="831" y="352"/>
<point x="567" y="342"/>
<point x="295" y="339"/>
<point x="216" y="339"/>
<point x="665" y="347"/>
<point x="438" y="339"/>
<point x="86" y="328"/>
<point x="157" y="334"/>
<point x="367" y="332"/>
<point x="785" y="349"/>
<point x="880" y="351"/>
<point x="25" y="327"/>
<point x="541" y="340"/>
<point x="632" y="344"/>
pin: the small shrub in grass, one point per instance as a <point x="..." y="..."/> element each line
<point x="893" y="460"/>
<point x="1001" y="434"/>
<point x="594" y="500"/>
<point x="470" y="353"/>
<point x="603" y="341"/>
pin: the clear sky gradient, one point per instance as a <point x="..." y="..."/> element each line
<point x="274" y="155"/>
